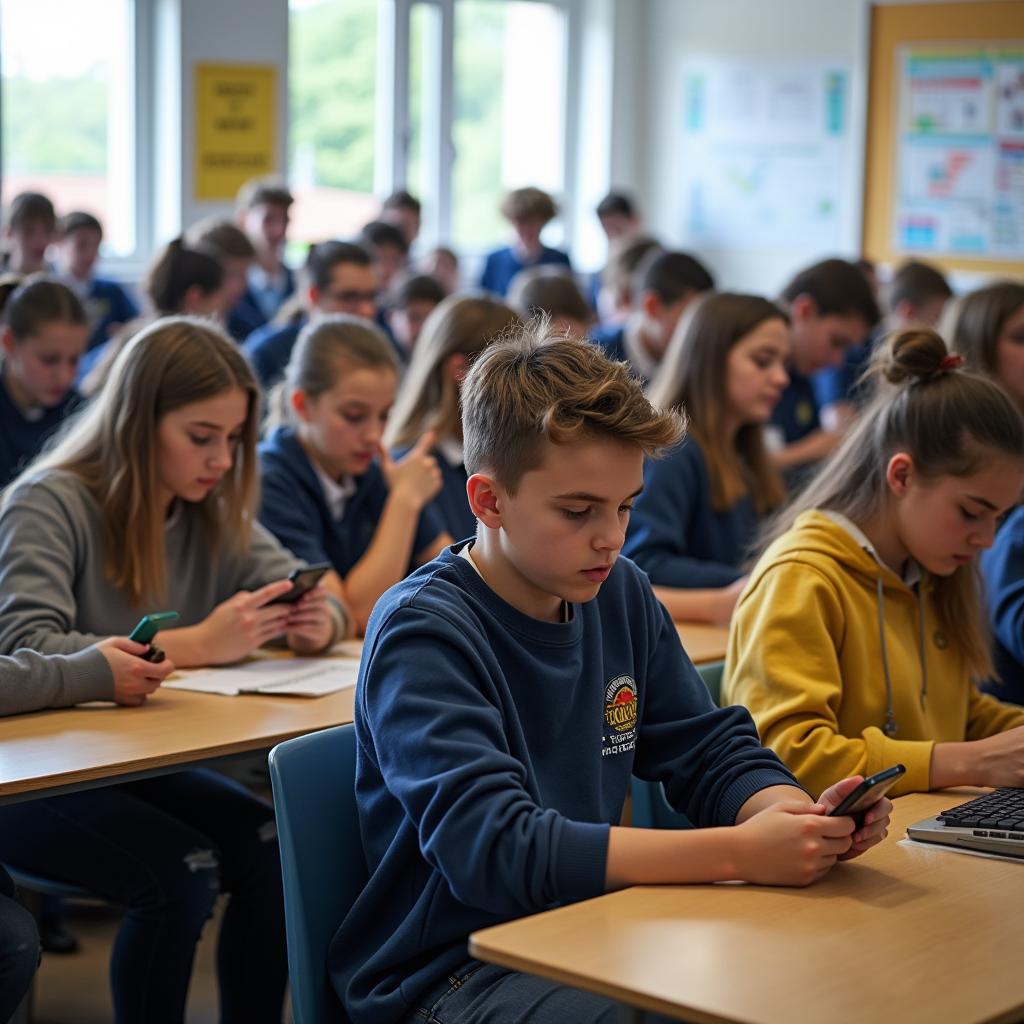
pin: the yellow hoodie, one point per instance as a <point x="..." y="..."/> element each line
<point x="806" y="657"/>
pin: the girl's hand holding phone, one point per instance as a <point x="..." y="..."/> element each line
<point x="134" y="677"/>
<point x="310" y="626"/>
<point x="244" y="622"/>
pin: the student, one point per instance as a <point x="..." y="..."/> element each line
<point x="19" y="949"/>
<point x="330" y="491"/>
<point x="615" y="298"/>
<point x="180" y="281"/>
<point x="44" y="333"/>
<point x="917" y="295"/>
<point x="619" y="216"/>
<point x="510" y="689"/>
<point x="529" y="211"/>
<point x="150" y="504"/>
<point x="408" y="307"/>
<point x="455" y="333"/>
<point x="442" y="263"/>
<point x="695" y="522"/>
<point x="107" y="305"/>
<point x="988" y="331"/>
<point x="263" y="211"/>
<point x="666" y="283"/>
<point x="230" y="246"/>
<point x="389" y="249"/>
<point x="404" y="211"/>
<point x="857" y="642"/>
<point x="831" y="308"/>
<point x="28" y="233"/>
<point x="551" y="292"/>
<point x="340" y="278"/>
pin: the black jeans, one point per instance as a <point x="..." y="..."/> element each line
<point x="163" y="849"/>
<point x="19" y="949"/>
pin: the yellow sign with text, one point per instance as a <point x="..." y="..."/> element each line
<point x="235" y="108"/>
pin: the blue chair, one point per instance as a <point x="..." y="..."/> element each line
<point x="313" y="778"/>
<point x="650" y="807"/>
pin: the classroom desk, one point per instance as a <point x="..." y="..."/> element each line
<point x="703" y="643"/>
<point x="916" y="935"/>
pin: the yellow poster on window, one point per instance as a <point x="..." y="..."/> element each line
<point x="235" y="106"/>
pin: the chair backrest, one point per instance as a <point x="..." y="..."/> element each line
<point x="712" y="675"/>
<point x="313" y="779"/>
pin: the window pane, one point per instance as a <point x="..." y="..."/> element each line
<point x="509" y="111"/>
<point x="332" y="91"/>
<point x="67" y="105"/>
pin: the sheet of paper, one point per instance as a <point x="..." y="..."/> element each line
<point x="298" y="677"/>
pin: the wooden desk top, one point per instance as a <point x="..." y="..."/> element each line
<point x="908" y="935"/>
<point x="703" y="643"/>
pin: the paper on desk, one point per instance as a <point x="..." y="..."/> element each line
<point x="295" y="677"/>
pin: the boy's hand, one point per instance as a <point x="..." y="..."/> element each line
<point x="876" y="819"/>
<point x="791" y="843"/>
<point x="134" y="677"/>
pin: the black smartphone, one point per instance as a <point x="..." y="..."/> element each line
<point x="872" y="789"/>
<point x="303" y="581"/>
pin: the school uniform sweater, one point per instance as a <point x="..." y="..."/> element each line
<point x="269" y="349"/>
<point x="106" y="304"/>
<point x="806" y="658"/>
<point x="295" y="509"/>
<point x="796" y="414"/>
<point x="22" y="437"/>
<point x="451" y="506"/>
<point x="494" y="751"/>
<point x="843" y="383"/>
<point x="1003" y="568"/>
<point x="676" y="536"/>
<point x="503" y="264"/>
<point x="54" y="593"/>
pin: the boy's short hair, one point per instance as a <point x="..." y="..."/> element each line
<point x="672" y="276"/>
<point x="78" y="220"/>
<point x="918" y="283"/>
<point x="380" y="233"/>
<point x="31" y="208"/>
<point x="418" y="288"/>
<point x="269" y="190"/>
<point x="321" y="259"/>
<point x="616" y="203"/>
<point x="532" y="385"/>
<point x="220" y="238"/>
<point x="624" y="260"/>
<point x="402" y="200"/>
<point x="528" y="204"/>
<point x="838" y="288"/>
<point x="548" y="290"/>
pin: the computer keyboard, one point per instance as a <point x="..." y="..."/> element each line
<point x="1002" y="809"/>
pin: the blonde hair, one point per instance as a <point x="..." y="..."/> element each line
<point x="535" y="385"/>
<point x="949" y="422"/>
<point x="429" y="398"/>
<point x="323" y="351"/>
<point x="112" y="447"/>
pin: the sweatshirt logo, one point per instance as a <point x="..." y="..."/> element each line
<point x="620" y="704"/>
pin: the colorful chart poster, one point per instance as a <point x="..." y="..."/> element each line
<point x="960" y="145"/>
<point x="766" y="154"/>
<point x="235" y="126"/>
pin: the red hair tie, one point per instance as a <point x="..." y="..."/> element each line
<point x="952" y="362"/>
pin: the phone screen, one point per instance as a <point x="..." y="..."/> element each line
<point x="869" y="791"/>
<point x="303" y="581"/>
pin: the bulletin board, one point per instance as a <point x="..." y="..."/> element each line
<point x="944" y="174"/>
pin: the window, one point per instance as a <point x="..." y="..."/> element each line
<point x="66" y="120"/>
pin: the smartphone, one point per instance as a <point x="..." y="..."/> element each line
<point x="149" y="625"/>
<point x="872" y="789"/>
<point x="303" y="581"/>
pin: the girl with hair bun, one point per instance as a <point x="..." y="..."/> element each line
<point x="861" y="636"/>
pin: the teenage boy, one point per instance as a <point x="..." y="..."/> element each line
<point x="263" y="209"/>
<point x="665" y="284"/>
<point x="405" y="211"/>
<point x="510" y="688"/>
<point x="28" y="232"/>
<point x="831" y="307"/>
<point x="409" y="305"/>
<point x="108" y="306"/>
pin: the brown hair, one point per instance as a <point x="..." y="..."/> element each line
<point x="78" y="220"/>
<point x="978" y="322"/>
<point x="949" y="422"/>
<point x="429" y="398"/>
<point x="220" y="239"/>
<point x="917" y="283"/>
<point x="29" y="303"/>
<point x="31" y="208"/>
<point x="533" y="385"/>
<point x="838" y="288"/>
<point x="266" y="191"/>
<point x="551" y="290"/>
<point x="624" y="258"/>
<point x="323" y="351"/>
<point x="528" y="204"/>
<point x="175" y="270"/>
<point x="113" y="448"/>
<point x="694" y="376"/>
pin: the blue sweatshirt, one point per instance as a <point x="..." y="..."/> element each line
<point x="21" y="439"/>
<point x="842" y="383"/>
<point x="676" y="536"/>
<point x="493" y="753"/>
<point x="107" y="304"/>
<point x="269" y="349"/>
<point x="612" y="340"/>
<point x="293" y="507"/>
<point x="451" y="506"/>
<point x="797" y="412"/>
<point x="1003" y="568"/>
<point x="503" y="264"/>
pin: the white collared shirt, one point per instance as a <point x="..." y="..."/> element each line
<point x="335" y="494"/>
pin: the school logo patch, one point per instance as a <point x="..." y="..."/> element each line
<point x="620" y="704"/>
<point x="940" y="640"/>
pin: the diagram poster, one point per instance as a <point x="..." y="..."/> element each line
<point x="960" y="146"/>
<point x="235" y="135"/>
<point x="766" y="154"/>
